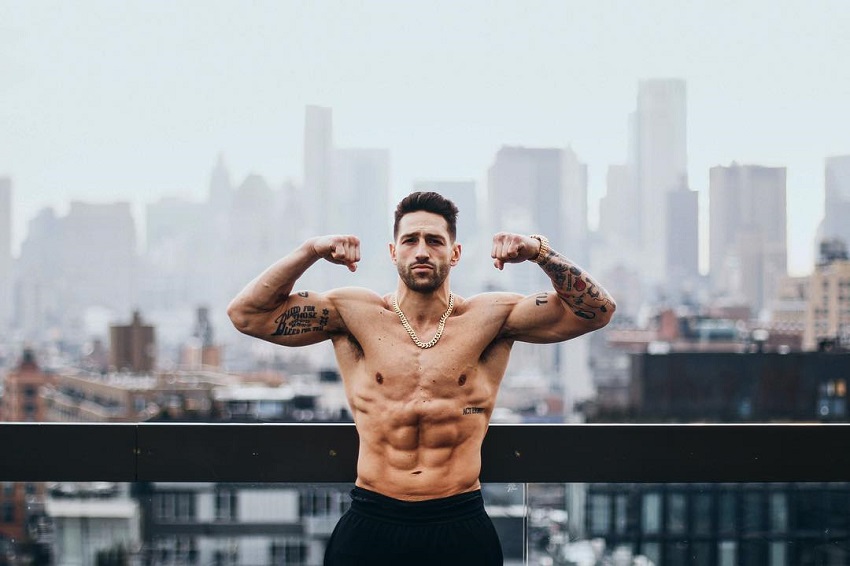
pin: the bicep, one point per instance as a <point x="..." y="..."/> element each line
<point x="306" y="317"/>
<point x="541" y="318"/>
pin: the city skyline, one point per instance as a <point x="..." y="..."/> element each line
<point x="135" y="103"/>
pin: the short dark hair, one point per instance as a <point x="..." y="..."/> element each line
<point x="429" y="202"/>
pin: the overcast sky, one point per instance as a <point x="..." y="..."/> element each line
<point x="107" y="101"/>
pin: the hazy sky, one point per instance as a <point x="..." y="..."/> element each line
<point x="109" y="100"/>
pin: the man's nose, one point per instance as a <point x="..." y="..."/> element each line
<point x="422" y="251"/>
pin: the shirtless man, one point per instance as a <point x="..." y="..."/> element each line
<point x="421" y="369"/>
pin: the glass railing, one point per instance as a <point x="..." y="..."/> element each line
<point x="558" y="494"/>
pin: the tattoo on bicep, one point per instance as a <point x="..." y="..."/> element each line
<point x="541" y="299"/>
<point x="301" y="320"/>
<point x="304" y="294"/>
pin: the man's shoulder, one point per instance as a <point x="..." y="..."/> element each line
<point x="355" y="295"/>
<point x="493" y="299"/>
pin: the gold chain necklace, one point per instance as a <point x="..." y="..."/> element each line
<point x="440" y="326"/>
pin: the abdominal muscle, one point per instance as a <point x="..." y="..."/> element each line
<point x="415" y="453"/>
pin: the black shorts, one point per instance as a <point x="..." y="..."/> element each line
<point x="382" y="530"/>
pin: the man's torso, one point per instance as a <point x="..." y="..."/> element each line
<point x="421" y="414"/>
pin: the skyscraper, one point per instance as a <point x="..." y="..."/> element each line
<point x="318" y="150"/>
<point x="682" y="239"/>
<point x="5" y="254"/>
<point x="360" y="205"/>
<point x="747" y="232"/>
<point x="836" y="220"/>
<point x="660" y="155"/>
<point x="540" y="190"/>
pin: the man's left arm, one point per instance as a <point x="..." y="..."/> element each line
<point x="578" y="303"/>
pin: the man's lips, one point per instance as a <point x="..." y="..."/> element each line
<point x="421" y="266"/>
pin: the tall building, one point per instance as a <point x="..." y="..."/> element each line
<point x="836" y="200"/>
<point x="682" y="238"/>
<point x="542" y="191"/>
<point x="827" y="318"/>
<point x="318" y="156"/>
<point x="359" y="204"/>
<point x="39" y="304"/>
<point x="747" y="232"/>
<point x="539" y="190"/>
<point x="98" y="259"/>
<point x="660" y="155"/>
<point x="5" y="254"/>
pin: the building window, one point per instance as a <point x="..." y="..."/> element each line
<point x="288" y="552"/>
<point x="600" y="513"/>
<point x="728" y="517"/>
<point x="778" y="513"/>
<point x="651" y="513"/>
<point x="8" y="512"/>
<point x="778" y="554"/>
<point x="621" y="513"/>
<point x="727" y="551"/>
<point x="753" y="512"/>
<point x="702" y="513"/>
<point x="701" y="552"/>
<point x="8" y="488"/>
<point x="225" y="505"/>
<point x="677" y="513"/>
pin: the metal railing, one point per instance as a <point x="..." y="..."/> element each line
<point x="581" y="453"/>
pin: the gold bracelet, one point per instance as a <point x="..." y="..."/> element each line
<point x="542" y="255"/>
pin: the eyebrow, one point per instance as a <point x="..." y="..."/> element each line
<point x="422" y="234"/>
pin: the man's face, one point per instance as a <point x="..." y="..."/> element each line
<point x="423" y="251"/>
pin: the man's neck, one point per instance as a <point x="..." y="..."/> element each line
<point x="423" y="308"/>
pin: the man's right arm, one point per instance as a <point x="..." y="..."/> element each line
<point x="267" y="309"/>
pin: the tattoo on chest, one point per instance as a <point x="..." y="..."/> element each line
<point x="473" y="410"/>
<point x="301" y="320"/>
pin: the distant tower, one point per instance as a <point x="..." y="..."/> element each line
<point x="5" y="254"/>
<point x="221" y="188"/>
<point x="360" y="204"/>
<point x="540" y="190"/>
<point x="318" y="150"/>
<point x="660" y="152"/>
<point x="132" y="347"/>
<point x="201" y="352"/>
<point x="836" y="220"/>
<point x="682" y="238"/>
<point x="747" y="232"/>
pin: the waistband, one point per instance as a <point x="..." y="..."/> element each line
<point x="454" y="507"/>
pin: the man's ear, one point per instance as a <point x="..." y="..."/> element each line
<point x="456" y="250"/>
<point x="392" y="252"/>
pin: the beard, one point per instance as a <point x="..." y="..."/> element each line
<point x="426" y="281"/>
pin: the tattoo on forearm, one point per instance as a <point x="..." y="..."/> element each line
<point x="541" y="299"/>
<point x="584" y="296"/>
<point x="304" y="294"/>
<point x="301" y="320"/>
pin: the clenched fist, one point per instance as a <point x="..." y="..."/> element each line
<point x="342" y="250"/>
<point x="513" y="248"/>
